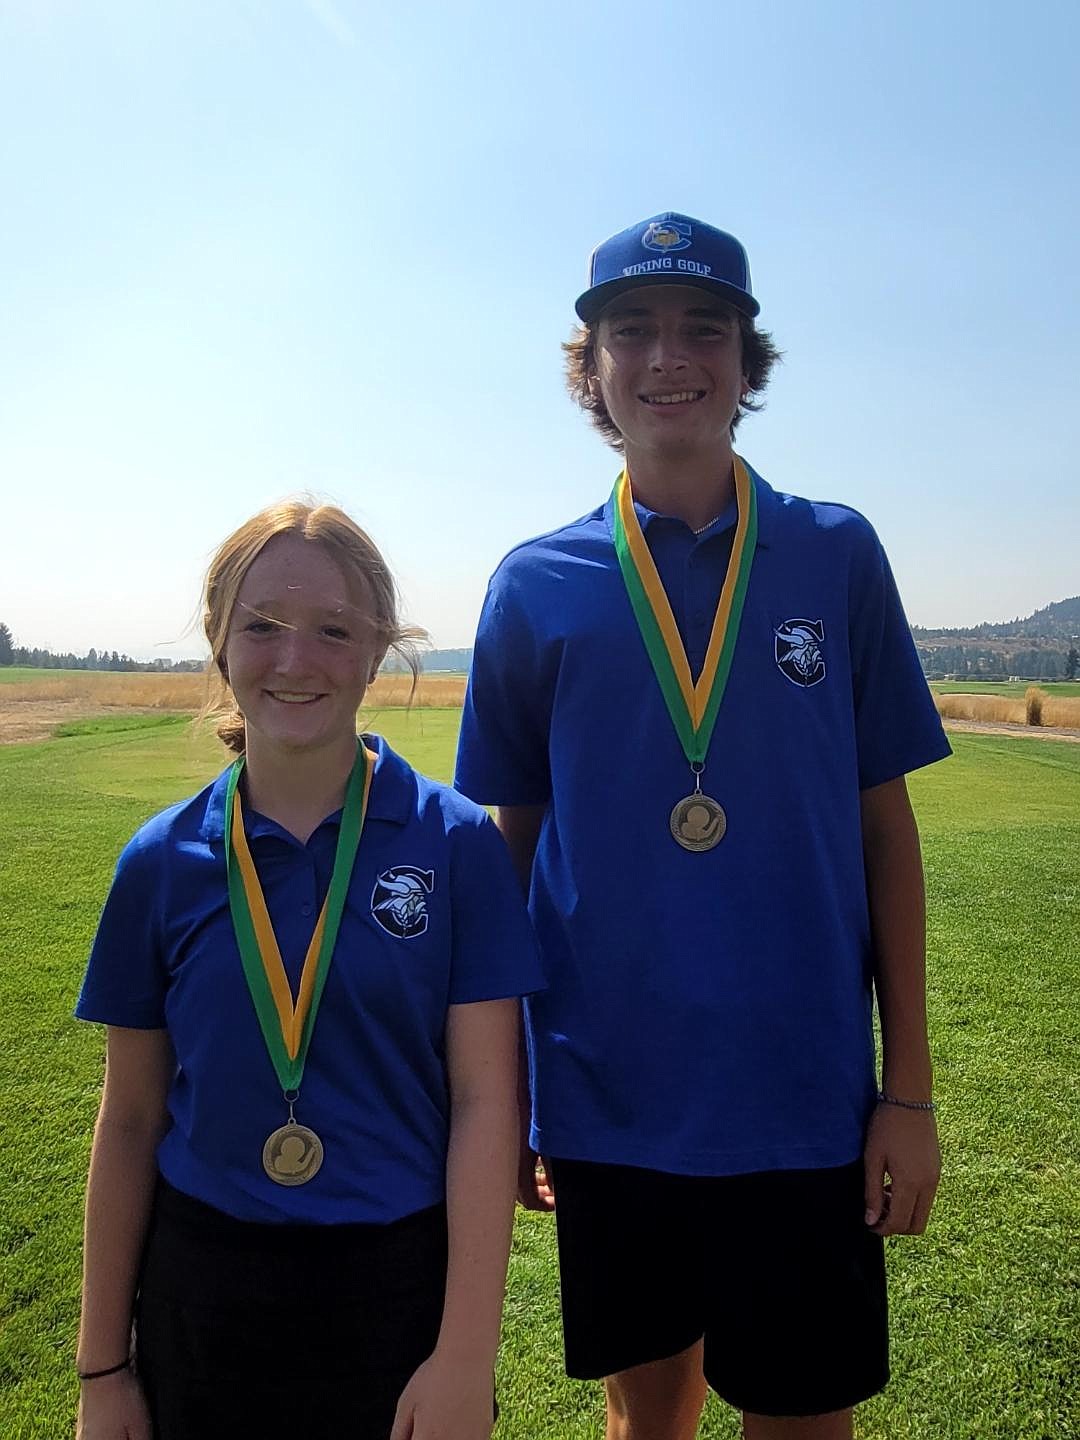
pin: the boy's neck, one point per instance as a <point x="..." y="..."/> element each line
<point x="297" y="788"/>
<point x="693" y="487"/>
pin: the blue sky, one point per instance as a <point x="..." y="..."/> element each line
<point x="255" y="247"/>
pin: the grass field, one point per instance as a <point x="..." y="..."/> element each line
<point x="1061" y="689"/>
<point x="985" y="1311"/>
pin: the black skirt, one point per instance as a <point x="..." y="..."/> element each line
<point x="298" y="1331"/>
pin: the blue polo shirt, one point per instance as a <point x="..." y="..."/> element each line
<point x="375" y="1085"/>
<point x="705" y="1013"/>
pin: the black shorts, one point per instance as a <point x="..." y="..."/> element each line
<point x="283" y="1330"/>
<point x="777" y="1272"/>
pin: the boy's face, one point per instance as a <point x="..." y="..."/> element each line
<point x="669" y="368"/>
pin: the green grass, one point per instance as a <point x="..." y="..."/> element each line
<point x="984" y="1307"/>
<point x="117" y="724"/>
<point x="1059" y="689"/>
<point x="16" y="674"/>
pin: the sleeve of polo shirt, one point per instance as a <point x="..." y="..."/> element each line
<point x="495" y="955"/>
<point x="502" y="756"/>
<point x="897" y="726"/>
<point x="125" y="980"/>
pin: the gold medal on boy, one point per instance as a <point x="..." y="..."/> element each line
<point x="292" y="1154"/>
<point x="698" y="822"/>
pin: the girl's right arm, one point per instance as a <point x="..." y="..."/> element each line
<point x="123" y="1169"/>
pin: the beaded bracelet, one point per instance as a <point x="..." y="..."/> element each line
<point x="98" y="1374"/>
<point x="927" y="1105"/>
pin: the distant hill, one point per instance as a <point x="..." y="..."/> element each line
<point x="1059" y="621"/>
<point x="1040" y="646"/>
<point x="457" y="661"/>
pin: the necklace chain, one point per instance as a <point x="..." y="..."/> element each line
<point x="702" y="528"/>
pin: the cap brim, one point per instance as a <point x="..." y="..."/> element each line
<point x="590" y="304"/>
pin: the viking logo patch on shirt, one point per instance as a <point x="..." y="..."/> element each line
<point x="798" y="651"/>
<point x="399" y="900"/>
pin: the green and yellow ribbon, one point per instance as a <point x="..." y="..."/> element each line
<point x="693" y="707"/>
<point x="287" y="1027"/>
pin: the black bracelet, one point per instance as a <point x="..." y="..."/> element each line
<point x="112" y="1370"/>
<point x="927" y="1105"/>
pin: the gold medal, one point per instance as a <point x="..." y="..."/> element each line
<point x="292" y="1154"/>
<point x="698" y="822"/>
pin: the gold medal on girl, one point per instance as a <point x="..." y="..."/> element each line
<point x="293" y="1154"/>
<point x="697" y="822"/>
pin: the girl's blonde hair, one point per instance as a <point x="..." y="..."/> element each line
<point x="345" y="542"/>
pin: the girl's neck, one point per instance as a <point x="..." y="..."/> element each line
<point x="694" y="488"/>
<point x="298" y="788"/>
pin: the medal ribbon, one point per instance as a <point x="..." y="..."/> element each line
<point x="693" y="707"/>
<point x="286" y="1027"/>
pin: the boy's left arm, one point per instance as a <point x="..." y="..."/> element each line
<point x="901" y="1144"/>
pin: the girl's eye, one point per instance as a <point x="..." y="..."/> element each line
<point x="259" y="627"/>
<point x="335" y="632"/>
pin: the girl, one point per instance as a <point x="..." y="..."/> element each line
<point x="302" y="1174"/>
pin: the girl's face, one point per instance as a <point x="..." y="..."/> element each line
<point x="302" y="647"/>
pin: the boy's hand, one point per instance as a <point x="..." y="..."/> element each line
<point x="534" y="1184"/>
<point x="901" y="1145"/>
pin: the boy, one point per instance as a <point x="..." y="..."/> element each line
<point x="694" y="709"/>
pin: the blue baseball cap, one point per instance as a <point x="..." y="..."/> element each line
<point x="670" y="248"/>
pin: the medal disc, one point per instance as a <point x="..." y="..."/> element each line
<point x="698" y="822"/>
<point x="292" y="1154"/>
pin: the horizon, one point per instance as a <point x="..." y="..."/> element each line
<point x="426" y="648"/>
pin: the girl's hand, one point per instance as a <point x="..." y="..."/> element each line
<point x="113" y="1408"/>
<point x="446" y="1400"/>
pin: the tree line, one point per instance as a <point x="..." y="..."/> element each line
<point x="37" y="658"/>
<point x="1049" y="661"/>
<point x="999" y="662"/>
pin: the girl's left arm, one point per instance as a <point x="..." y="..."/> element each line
<point x="450" y="1397"/>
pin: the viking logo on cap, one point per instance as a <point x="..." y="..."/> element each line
<point x="666" y="235"/>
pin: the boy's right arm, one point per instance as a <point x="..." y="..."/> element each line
<point x="519" y="826"/>
<point x="119" y="1193"/>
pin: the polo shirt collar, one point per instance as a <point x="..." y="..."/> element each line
<point x="390" y="797"/>
<point x="767" y="506"/>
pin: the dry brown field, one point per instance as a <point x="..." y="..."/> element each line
<point x="31" y="709"/>
<point x="1057" y="713"/>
